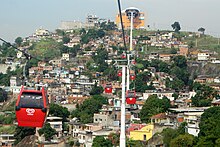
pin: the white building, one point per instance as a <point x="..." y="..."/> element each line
<point x="41" y="32"/>
<point x="7" y="139"/>
<point x="160" y="94"/>
<point x="203" y="56"/>
<point x="56" y="123"/>
<point x="66" y="56"/>
<point x="192" y="119"/>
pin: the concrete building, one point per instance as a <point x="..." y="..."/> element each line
<point x="7" y="140"/>
<point x="160" y="94"/>
<point x="143" y="134"/>
<point x="203" y="56"/>
<point x="138" y="22"/>
<point x="56" y="123"/>
<point x="91" y="21"/>
<point x="184" y="50"/>
<point x="41" y="32"/>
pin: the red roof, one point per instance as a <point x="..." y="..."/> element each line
<point x="159" y="116"/>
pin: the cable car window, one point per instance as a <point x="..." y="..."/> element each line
<point x="31" y="100"/>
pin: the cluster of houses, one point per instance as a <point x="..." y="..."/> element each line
<point x="69" y="86"/>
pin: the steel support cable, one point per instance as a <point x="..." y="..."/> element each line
<point x="122" y="26"/>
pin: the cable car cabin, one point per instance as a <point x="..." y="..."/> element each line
<point x="132" y="76"/>
<point x="31" y="108"/>
<point x="108" y="88"/>
<point x="119" y="73"/>
<point x="130" y="97"/>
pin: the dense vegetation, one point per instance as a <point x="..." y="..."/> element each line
<point x="86" y="110"/>
<point x="152" y="106"/>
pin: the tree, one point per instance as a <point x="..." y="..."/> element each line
<point x="168" y="134"/>
<point x="60" y="32"/>
<point x="209" y="125"/>
<point x="96" y="90"/>
<point x="173" y="51"/>
<point x="141" y="82"/>
<point x="185" y="140"/>
<point x="152" y="106"/>
<point x="18" y="41"/>
<point x="22" y="132"/>
<point x="202" y="30"/>
<point x="86" y="110"/>
<point x="66" y="39"/>
<point x="59" y="111"/>
<point x="176" y="27"/>
<point x="134" y="143"/>
<point x="191" y="44"/>
<point x="115" y="138"/>
<point x="47" y="131"/>
<point x="204" y="95"/>
<point x="3" y="95"/>
<point x="100" y="141"/>
<point x="180" y="61"/>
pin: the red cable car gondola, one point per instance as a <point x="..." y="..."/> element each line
<point x="31" y="108"/>
<point x="132" y="76"/>
<point x="130" y="97"/>
<point x="108" y="88"/>
<point x="119" y="73"/>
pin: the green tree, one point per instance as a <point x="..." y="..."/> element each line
<point x="47" y="131"/>
<point x="3" y="95"/>
<point x="66" y="39"/>
<point x="60" y="32"/>
<point x="202" y="30"/>
<point x="185" y="140"/>
<point x="18" y="41"/>
<point x="180" y="73"/>
<point x="141" y="82"/>
<point x="191" y="44"/>
<point x="180" y="61"/>
<point x="96" y="90"/>
<point x="168" y="134"/>
<point x="176" y="27"/>
<point x="204" y="95"/>
<point x="115" y="138"/>
<point x="86" y="110"/>
<point x="108" y="26"/>
<point x="21" y="132"/>
<point x="100" y="141"/>
<point x="100" y="58"/>
<point x="152" y="106"/>
<point x="209" y="127"/>
<point x="59" y="111"/>
<point x="173" y="51"/>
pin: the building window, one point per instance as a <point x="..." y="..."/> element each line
<point x="56" y="126"/>
<point x="145" y="137"/>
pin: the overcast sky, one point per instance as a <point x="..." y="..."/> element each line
<point x="23" y="17"/>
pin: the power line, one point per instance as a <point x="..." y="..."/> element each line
<point x="27" y="55"/>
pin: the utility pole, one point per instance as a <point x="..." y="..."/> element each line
<point x="128" y="73"/>
<point x="122" y="132"/>
<point x="131" y="42"/>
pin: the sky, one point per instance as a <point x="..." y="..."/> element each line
<point x="20" y="18"/>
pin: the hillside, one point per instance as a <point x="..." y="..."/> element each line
<point x="196" y="68"/>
